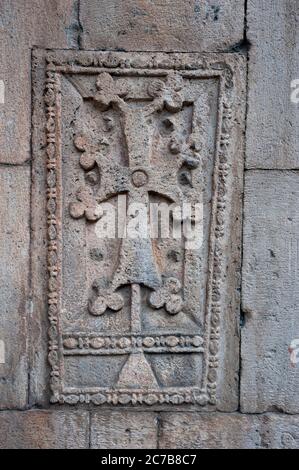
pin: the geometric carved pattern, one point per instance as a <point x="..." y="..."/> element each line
<point x="135" y="322"/>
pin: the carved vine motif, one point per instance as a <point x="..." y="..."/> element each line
<point x="164" y="94"/>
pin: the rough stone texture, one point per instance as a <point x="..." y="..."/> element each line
<point x="71" y="429"/>
<point x="228" y="431"/>
<point x="124" y="430"/>
<point x="89" y="332"/>
<point x="44" y="430"/>
<point x="278" y="431"/>
<point x="171" y="25"/>
<point x="14" y="280"/>
<point x="207" y="431"/>
<point x="270" y="296"/>
<point x="23" y="25"/>
<point x="147" y="331"/>
<point x="273" y="120"/>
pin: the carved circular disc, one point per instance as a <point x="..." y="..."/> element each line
<point x="77" y="209"/>
<point x="115" y="302"/>
<point x="174" y="304"/>
<point x="97" y="343"/>
<point x="80" y="142"/>
<point x="99" y="306"/>
<point x="173" y="285"/>
<point x="124" y="343"/>
<point x="173" y="103"/>
<point x="156" y="299"/>
<point x="155" y="88"/>
<point x="139" y="178"/>
<point x="92" y="177"/>
<point x="197" y="341"/>
<point x="93" y="213"/>
<point x="149" y="342"/>
<point x="87" y="161"/>
<point x="172" y="341"/>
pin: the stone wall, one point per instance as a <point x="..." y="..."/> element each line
<point x="241" y="291"/>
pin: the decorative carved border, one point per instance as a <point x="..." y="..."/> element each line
<point x="192" y="65"/>
<point x="117" y="344"/>
<point x="54" y="226"/>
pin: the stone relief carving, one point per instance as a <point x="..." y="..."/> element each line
<point x="135" y="321"/>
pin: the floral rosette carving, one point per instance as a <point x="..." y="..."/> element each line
<point x="168" y="296"/>
<point x="169" y="92"/>
<point x="189" y="152"/>
<point x="100" y="304"/>
<point x="90" y="150"/>
<point x="85" y="206"/>
<point x="109" y="91"/>
<point x="87" y="158"/>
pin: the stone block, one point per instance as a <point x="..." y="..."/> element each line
<point x="124" y="430"/>
<point x="228" y="431"/>
<point x="171" y="25"/>
<point x="44" y="430"/>
<point x="272" y="140"/>
<point x="270" y="299"/>
<point x="14" y="285"/>
<point x="23" y="26"/>
<point x="207" y="431"/>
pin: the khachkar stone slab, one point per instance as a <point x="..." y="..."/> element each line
<point x="147" y="319"/>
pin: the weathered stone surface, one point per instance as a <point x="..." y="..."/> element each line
<point x="273" y="119"/>
<point x="141" y="320"/>
<point x="14" y="281"/>
<point x="146" y="323"/>
<point x="44" y="430"/>
<point x="278" y="431"/>
<point x="171" y="25"/>
<point x="270" y="292"/>
<point x="71" y="429"/>
<point x="228" y="431"/>
<point x="207" y="431"/>
<point x="124" y="430"/>
<point x="23" y="25"/>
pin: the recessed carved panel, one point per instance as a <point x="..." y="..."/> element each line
<point x="137" y="320"/>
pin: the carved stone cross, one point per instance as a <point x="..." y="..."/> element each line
<point x="137" y="266"/>
<point x="155" y="128"/>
